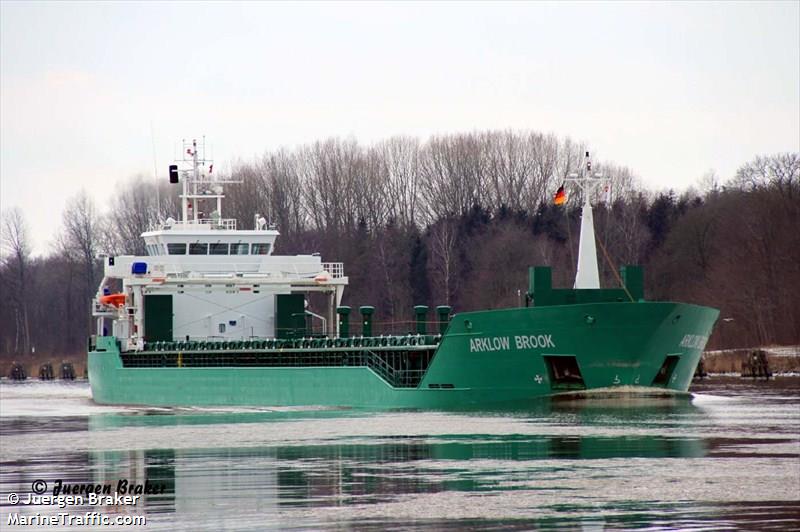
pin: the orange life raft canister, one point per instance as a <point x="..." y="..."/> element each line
<point x="114" y="300"/>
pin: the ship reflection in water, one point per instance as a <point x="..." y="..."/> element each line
<point x="712" y="462"/>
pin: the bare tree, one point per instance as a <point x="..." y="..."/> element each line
<point x="333" y="195"/>
<point x="285" y="192"/>
<point x="374" y="180"/>
<point x="545" y="174"/>
<point x="510" y="168"/>
<point x="453" y="173"/>
<point x="443" y="256"/>
<point x="781" y="170"/>
<point x="134" y="210"/>
<point x="80" y="237"/>
<point x="16" y="261"/>
<point x="400" y="158"/>
<point x="249" y="196"/>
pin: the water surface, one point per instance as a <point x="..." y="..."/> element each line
<point x="727" y="458"/>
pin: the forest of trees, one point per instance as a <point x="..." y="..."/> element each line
<point x="454" y="220"/>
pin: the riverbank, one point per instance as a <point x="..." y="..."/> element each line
<point x="780" y="359"/>
<point x="31" y="363"/>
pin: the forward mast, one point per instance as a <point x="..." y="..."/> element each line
<point x="587" y="274"/>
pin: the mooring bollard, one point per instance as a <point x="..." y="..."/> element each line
<point x="756" y="366"/>
<point x="46" y="372"/>
<point x="17" y="372"/>
<point x="67" y="371"/>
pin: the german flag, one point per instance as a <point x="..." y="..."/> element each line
<point x="561" y="197"/>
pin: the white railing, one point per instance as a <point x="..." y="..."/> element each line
<point x="219" y="223"/>
<point x="203" y="223"/>
<point x="250" y="270"/>
<point x="336" y="269"/>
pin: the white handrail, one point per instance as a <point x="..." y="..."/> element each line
<point x="285" y="270"/>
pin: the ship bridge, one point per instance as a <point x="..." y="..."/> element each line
<point x="203" y="278"/>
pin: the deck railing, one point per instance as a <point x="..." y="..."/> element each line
<point x="252" y="268"/>
<point x="228" y="224"/>
<point x="336" y="269"/>
<point x="400" y="367"/>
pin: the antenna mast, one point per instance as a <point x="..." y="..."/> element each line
<point x="155" y="174"/>
<point x="199" y="184"/>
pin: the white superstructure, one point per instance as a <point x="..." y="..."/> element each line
<point x="222" y="282"/>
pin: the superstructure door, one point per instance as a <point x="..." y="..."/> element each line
<point x="158" y="318"/>
<point x="290" y="315"/>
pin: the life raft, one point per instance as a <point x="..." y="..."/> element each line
<point x="113" y="300"/>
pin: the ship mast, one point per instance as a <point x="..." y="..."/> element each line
<point x="190" y="197"/>
<point x="199" y="185"/>
<point x="587" y="275"/>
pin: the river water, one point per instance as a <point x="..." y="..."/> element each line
<point x="727" y="458"/>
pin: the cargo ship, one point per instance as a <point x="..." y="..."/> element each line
<point x="212" y="317"/>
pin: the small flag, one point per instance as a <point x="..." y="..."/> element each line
<point x="561" y="197"/>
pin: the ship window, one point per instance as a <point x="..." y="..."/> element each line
<point x="260" y="249"/>
<point x="222" y="327"/>
<point x="198" y="249"/>
<point x="219" y="249"/>
<point x="239" y="249"/>
<point x="176" y="249"/>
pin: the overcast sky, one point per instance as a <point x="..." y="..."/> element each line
<point x="671" y="90"/>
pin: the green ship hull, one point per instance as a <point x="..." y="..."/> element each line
<point x="490" y="358"/>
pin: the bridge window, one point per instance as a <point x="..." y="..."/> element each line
<point x="176" y="249"/>
<point x="219" y="249"/>
<point x="198" y="249"/>
<point x="260" y="249"/>
<point x="239" y="249"/>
